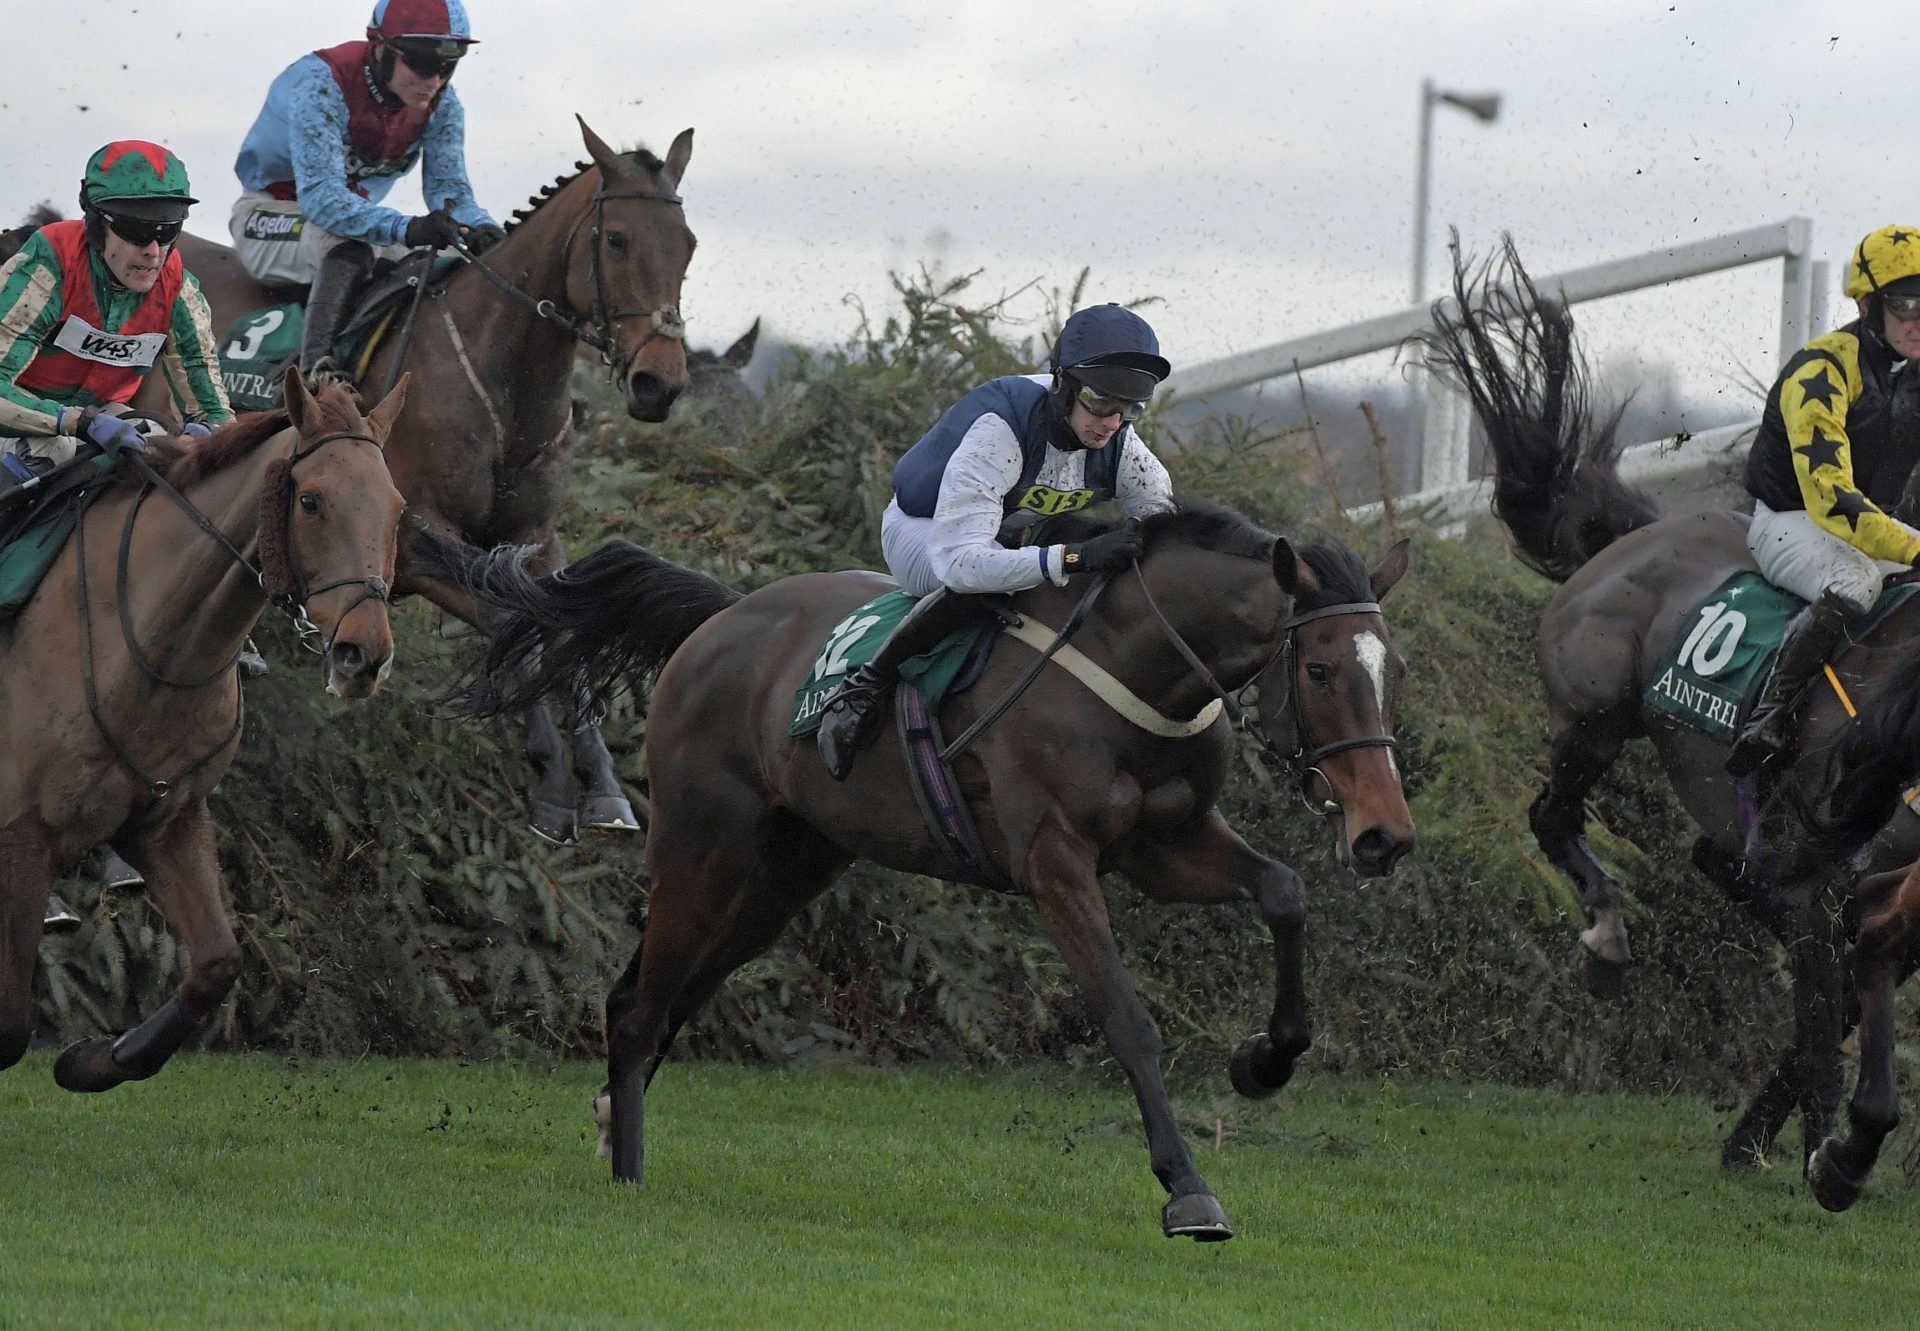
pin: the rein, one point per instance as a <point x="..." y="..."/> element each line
<point x="292" y="602"/>
<point x="1304" y="762"/>
<point x="596" y="329"/>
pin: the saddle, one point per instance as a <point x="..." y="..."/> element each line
<point x="261" y="344"/>
<point x="35" y="523"/>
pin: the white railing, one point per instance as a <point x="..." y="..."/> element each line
<point x="1446" y="433"/>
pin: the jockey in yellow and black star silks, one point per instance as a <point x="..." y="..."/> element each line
<point x="1827" y="471"/>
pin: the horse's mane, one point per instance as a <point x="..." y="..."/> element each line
<point x="186" y="461"/>
<point x="640" y="157"/>
<point x="14" y="237"/>
<point x="1206" y="525"/>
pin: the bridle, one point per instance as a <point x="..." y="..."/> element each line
<point x="596" y="329"/>
<point x="1302" y="759"/>
<point x="292" y="601"/>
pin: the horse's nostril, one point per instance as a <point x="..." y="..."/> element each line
<point x="348" y="658"/>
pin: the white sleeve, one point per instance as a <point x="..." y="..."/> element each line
<point x="1142" y="485"/>
<point x="961" y="545"/>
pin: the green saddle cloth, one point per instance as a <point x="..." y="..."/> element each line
<point x="854" y="641"/>
<point x="25" y="559"/>
<point x="1714" y="667"/>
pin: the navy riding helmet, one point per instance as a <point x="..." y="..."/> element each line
<point x="1111" y="350"/>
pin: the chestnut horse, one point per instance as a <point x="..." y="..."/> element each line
<point x="486" y="451"/>
<point x="747" y="827"/>
<point x="120" y="707"/>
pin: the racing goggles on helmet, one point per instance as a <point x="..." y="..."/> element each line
<point x="1904" y="308"/>
<point x="428" y="58"/>
<point x="1103" y="404"/>
<point x="141" y="232"/>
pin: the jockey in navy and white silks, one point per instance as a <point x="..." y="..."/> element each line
<point x="340" y="126"/>
<point x="1019" y="445"/>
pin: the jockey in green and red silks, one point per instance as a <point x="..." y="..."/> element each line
<point x="340" y="126"/>
<point x="89" y="307"/>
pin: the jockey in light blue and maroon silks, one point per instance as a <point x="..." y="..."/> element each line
<point x="339" y="128"/>
<point x="89" y="307"/>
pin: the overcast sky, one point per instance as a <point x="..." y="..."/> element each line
<point x="1250" y="164"/>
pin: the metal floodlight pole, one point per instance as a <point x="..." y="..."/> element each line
<point x="1483" y="106"/>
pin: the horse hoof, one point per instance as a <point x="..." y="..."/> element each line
<point x="555" y="823"/>
<point x="60" y="918"/>
<point x="1252" y="1071"/>
<point x="1198" y="1216"/>
<point x="87" y="1065"/>
<point x="603" y="1120"/>
<point x="608" y="813"/>
<point x="1604" y="979"/>
<point x="1831" y="1185"/>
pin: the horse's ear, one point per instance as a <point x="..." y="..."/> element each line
<point x="299" y="401"/>
<point x="1391" y="569"/>
<point x="679" y="155"/>
<point x="1294" y="573"/>
<point x="607" y="159"/>
<point x="382" y="417"/>
<point x="741" y="351"/>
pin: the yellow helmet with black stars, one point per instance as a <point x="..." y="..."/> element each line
<point x="1887" y="260"/>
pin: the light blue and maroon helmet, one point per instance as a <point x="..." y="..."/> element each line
<point x="430" y="29"/>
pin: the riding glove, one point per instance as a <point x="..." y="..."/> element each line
<point x="484" y="237"/>
<point x="1108" y="552"/>
<point x="196" y="429"/>
<point x="112" y="433"/>
<point x="435" y="230"/>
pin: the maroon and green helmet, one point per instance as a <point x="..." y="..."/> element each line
<point x="134" y="178"/>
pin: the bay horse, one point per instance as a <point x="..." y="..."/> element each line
<point x="120" y="704"/>
<point x="1630" y="581"/>
<point x="747" y="827"/>
<point x="484" y="455"/>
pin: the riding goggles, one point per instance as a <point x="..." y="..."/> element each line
<point x="428" y="64"/>
<point x="1101" y="405"/>
<point x="1904" y="308"/>
<point x="140" y="232"/>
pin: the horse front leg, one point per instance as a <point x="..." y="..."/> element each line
<point x="183" y="881"/>
<point x="1582" y="752"/>
<point x="1209" y="865"/>
<point x="1839" y="1169"/>
<point x="1816" y="961"/>
<point x="26" y="880"/>
<point x="604" y="806"/>
<point x="1059" y="873"/>
<point x="550" y="810"/>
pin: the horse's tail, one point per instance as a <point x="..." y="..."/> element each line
<point x="602" y="622"/>
<point x="1869" y="765"/>
<point x="1556" y="481"/>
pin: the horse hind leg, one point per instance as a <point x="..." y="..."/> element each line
<point x="26" y="879"/>
<point x="604" y="806"/>
<point x="1581" y="755"/>
<point x="550" y="803"/>
<point x="183" y="881"/>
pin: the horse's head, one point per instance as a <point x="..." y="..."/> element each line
<point x="627" y="264"/>
<point x="329" y="531"/>
<point x="1329" y="697"/>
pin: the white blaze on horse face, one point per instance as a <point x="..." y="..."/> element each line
<point x="1371" y="651"/>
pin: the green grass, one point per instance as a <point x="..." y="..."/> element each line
<point x="250" y="1191"/>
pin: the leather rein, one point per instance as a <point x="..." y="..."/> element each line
<point x="293" y="602"/>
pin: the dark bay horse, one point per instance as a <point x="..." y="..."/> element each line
<point x="1631" y="579"/>
<point x="747" y="827"/>
<point x="486" y="452"/>
<point x="120" y="706"/>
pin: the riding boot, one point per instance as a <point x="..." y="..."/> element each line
<point x="337" y="282"/>
<point x="1811" y="638"/>
<point x="852" y="713"/>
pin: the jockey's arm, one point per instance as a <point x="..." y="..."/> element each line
<point x="190" y="365"/>
<point x="317" y="140"/>
<point x="1814" y="399"/>
<point x="443" y="154"/>
<point x="1142" y="485"/>
<point x="962" y="547"/>
<point x="30" y="310"/>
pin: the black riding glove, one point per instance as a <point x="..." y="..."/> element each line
<point x="436" y="230"/>
<point x="1108" y="552"/>
<point x="484" y="237"/>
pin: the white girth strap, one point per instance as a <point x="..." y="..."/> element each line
<point x="1110" y="690"/>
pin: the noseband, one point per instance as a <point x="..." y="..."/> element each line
<point x="1302" y="760"/>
